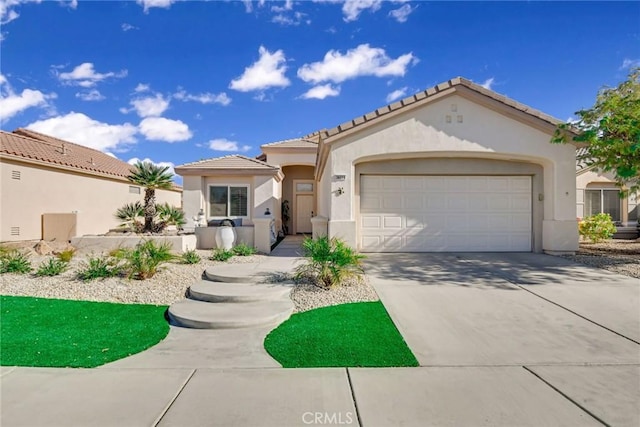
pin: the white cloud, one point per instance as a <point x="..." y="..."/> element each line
<point x="288" y="5"/>
<point x="204" y="98"/>
<point x="223" y="144"/>
<point x="12" y="103"/>
<point x="402" y="13"/>
<point x="295" y="19"/>
<point x="7" y="9"/>
<point x="128" y="27"/>
<point x="92" y="95"/>
<point x="81" y="129"/>
<point x="170" y="165"/>
<point x="397" y="94"/>
<point x="142" y="88"/>
<point x="85" y="75"/>
<point x="266" y="72"/>
<point x="151" y="106"/>
<point x="321" y="92"/>
<point x="72" y="4"/>
<point x="161" y="129"/>
<point x="629" y="63"/>
<point x="361" y="61"/>
<point x="353" y="8"/>
<point x="248" y="4"/>
<point x="148" y="4"/>
<point x="488" y="83"/>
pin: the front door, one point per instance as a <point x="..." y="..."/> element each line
<point x="304" y="212"/>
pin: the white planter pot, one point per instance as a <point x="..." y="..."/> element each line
<point x="225" y="237"/>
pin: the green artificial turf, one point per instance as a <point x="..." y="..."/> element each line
<point x="347" y="335"/>
<point x="78" y="334"/>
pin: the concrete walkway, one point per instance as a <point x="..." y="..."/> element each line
<point x="501" y="341"/>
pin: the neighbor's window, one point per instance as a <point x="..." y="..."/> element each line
<point x="228" y="200"/>
<point x="603" y="201"/>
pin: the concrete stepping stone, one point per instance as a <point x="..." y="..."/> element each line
<point x="206" y="290"/>
<point x="228" y="315"/>
<point x="244" y="273"/>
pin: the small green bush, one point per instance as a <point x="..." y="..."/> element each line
<point x="170" y="215"/>
<point x="144" y="261"/>
<point x="67" y="255"/>
<point x="14" y="261"/>
<point x="220" y="254"/>
<point x="597" y="227"/>
<point x="98" y="267"/>
<point x="190" y="257"/>
<point x="243" y="250"/>
<point x="329" y="262"/>
<point x="52" y="267"/>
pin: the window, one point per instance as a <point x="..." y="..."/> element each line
<point x="603" y="201"/>
<point x="304" y="187"/>
<point x="228" y="200"/>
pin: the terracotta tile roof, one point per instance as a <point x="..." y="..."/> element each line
<point x="582" y="159"/>
<point x="234" y="161"/>
<point x="292" y="143"/>
<point x="35" y="146"/>
<point x="426" y="96"/>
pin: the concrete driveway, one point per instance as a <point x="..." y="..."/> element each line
<point x="573" y="328"/>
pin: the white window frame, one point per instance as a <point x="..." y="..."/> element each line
<point x="247" y="186"/>
<point x="602" y="190"/>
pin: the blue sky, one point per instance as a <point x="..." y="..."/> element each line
<point x="177" y="81"/>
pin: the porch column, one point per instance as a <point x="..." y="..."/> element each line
<point x="264" y="231"/>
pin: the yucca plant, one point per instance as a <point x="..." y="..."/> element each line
<point x="329" y="262"/>
<point x="144" y="261"/>
<point x="151" y="177"/>
<point x="130" y="215"/>
<point x="190" y="257"/>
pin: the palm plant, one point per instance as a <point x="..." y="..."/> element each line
<point x="151" y="177"/>
<point x="171" y="215"/>
<point x="129" y="214"/>
<point x="329" y="262"/>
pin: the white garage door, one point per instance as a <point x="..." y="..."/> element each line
<point x="445" y="213"/>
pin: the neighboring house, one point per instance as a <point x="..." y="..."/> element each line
<point x="596" y="192"/>
<point x="52" y="188"/>
<point x="454" y="168"/>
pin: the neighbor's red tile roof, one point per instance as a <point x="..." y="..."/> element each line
<point x="39" y="148"/>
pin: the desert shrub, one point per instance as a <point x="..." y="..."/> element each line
<point x="144" y="261"/>
<point x="170" y="215"/>
<point x="597" y="227"/>
<point x="14" y="261"/>
<point x="220" y="254"/>
<point x="329" y="262"/>
<point x="131" y="215"/>
<point x="67" y="255"/>
<point x="98" y="267"/>
<point x="52" y="267"/>
<point x="243" y="250"/>
<point x="190" y="257"/>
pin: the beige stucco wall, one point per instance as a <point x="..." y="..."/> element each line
<point x="594" y="179"/>
<point x="42" y="190"/>
<point x="279" y="157"/>
<point x="264" y="192"/>
<point x="482" y="133"/>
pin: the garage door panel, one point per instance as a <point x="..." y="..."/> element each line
<point x="444" y="213"/>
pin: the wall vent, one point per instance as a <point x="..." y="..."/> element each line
<point x="15" y="175"/>
<point x="134" y="190"/>
<point x="15" y="231"/>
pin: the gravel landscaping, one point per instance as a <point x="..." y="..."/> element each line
<point x="165" y="288"/>
<point x="618" y="256"/>
<point x="171" y="283"/>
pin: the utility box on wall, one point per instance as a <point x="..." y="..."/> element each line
<point x="59" y="226"/>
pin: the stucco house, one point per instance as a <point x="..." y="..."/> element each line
<point x="55" y="189"/>
<point x="596" y="192"/>
<point x="456" y="167"/>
